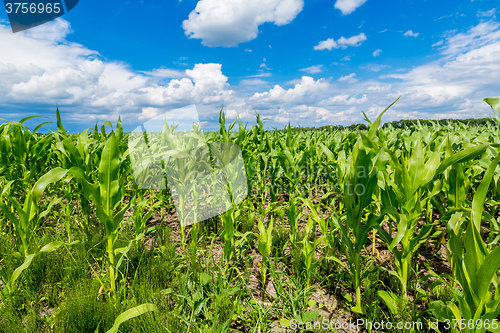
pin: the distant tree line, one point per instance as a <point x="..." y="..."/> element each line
<point x="405" y="123"/>
<point x="331" y="127"/>
<point x="425" y="122"/>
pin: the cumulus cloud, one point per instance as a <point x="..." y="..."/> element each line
<point x="341" y="43"/>
<point x="314" y="114"/>
<point x="206" y="84"/>
<point x="149" y="113"/>
<point x="374" y="67"/>
<point x="488" y="13"/>
<point x="55" y="30"/>
<point x="348" y="78"/>
<point x="377" y="52"/>
<point x="348" y="6"/>
<point x="344" y="99"/>
<point x="305" y="89"/>
<point x="166" y="73"/>
<point x="262" y="74"/>
<point x="313" y="69"/>
<point x="485" y="33"/>
<point x="328" y="44"/>
<point x="230" y="22"/>
<point x="410" y="33"/>
<point x="253" y="82"/>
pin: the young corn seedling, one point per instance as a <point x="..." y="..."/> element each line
<point x="233" y="239"/>
<point x="265" y="242"/>
<point x="228" y="234"/>
<point x="140" y="217"/>
<point x="309" y="249"/>
<point x="293" y="214"/>
<point x="326" y="225"/>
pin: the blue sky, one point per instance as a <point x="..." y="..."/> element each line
<point x="310" y="63"/>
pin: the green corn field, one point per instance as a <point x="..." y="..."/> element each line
<point x="338" y="230"/>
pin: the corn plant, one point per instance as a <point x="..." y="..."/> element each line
<point x="409" y="189"/>
<point x="131" y="313"/>
<point x="309" y="250"/>
<point x="25" y="219"/>
<point x="360" y="183"/>
<point x="23" y="153"/>
<point x="265" y="242"/>
<point x="228" y="234"/>
<point x="327" y="226"/>
<point x="107" y="195"/>
<point x="140" y="217"/>
<point x="293" y="214"/>
<point x="475" y="270"/>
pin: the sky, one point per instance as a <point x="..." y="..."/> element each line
<point x="303" y="62"/>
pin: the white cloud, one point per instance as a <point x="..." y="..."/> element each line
<point x="342" y="42"/>
<point x="344" y="99"/>
<point x="316" y="115"/>
<point x="264" y="66"/>
<point x="55" y="30"/>
<point x="351" y="41"/>
<point x="374" y="68"/>
<point x="410" y="33"/>
<point x="149" y="113"/>
<point x="438" y="43"/>
<point x="379" y="87"/>
<point x="445" y="16"/>
<point x="306" y="89"/>
<point x="487" y="13"/>
<point x="313" y="69"/>
<point x="348" y="78"/>
<point x="328" y="44"/>
<point x="230" y="22"/>
<point x="377" y="52"/>
<point x="208" y="76"/>
<point x="118" y="76"/>
<point x="253" y="82"/>
<point x="261" y="75"/>
<point x="166" y="73"/>
<point x="348" y="6"/>
<point x="482" y="34"/>
<point x="293" y="82"/>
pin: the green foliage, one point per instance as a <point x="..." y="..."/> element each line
<point x="364" y="214"/>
